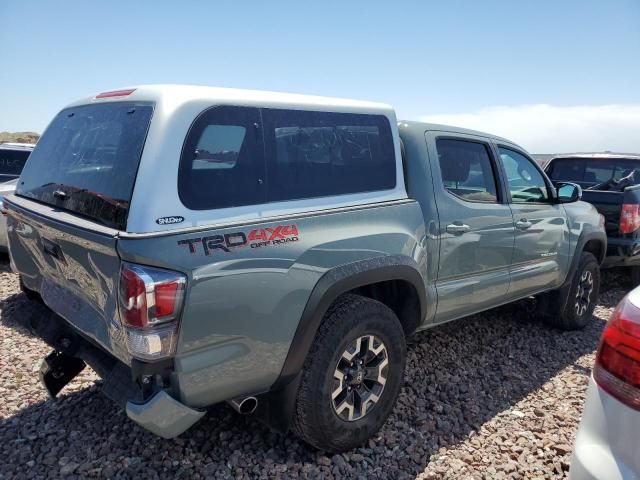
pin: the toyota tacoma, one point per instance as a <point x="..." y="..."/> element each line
<point x="196" y="245"/>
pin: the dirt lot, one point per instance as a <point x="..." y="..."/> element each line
<point x="496" y="395"/>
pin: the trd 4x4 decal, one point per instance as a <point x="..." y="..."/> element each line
<point x="257" y="238"/>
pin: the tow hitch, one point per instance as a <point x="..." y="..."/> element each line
<point x="58" y="369"/>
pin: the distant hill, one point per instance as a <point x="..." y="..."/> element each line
<point x="20" y="137"/>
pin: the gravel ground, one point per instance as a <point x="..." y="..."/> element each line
<point x="496" y="395"/>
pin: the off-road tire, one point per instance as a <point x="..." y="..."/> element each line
<point x="564" y="311"/>
<point x="315" y="418"/>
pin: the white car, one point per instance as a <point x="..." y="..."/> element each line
<point x="608" y="443"/>
<point x="12" y="159"/>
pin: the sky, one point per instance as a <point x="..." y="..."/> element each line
<point x="551" y="75"/>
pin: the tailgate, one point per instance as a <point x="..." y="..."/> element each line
<point x="607" y="203"/>
<point x="73" y="265"/>
<point x="611" y="215"/>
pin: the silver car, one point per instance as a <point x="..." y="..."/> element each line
<point x="607" y="446"/>
<point x="12" y="159"/>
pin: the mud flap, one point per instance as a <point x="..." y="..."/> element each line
<point x="57" y="370"/>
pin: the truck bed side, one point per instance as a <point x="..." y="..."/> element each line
<point x="245" y="300"/>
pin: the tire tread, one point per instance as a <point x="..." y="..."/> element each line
<point x="303" y="423"/>
<point x="558" y="311"/>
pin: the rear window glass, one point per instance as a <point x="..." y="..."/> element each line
<point x="590" y="172"/>
<point x="12" y="161"/>
<point x="86" y="161"/>
<point x="237" y="156"/>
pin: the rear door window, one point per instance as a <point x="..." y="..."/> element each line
<point x="86" y="161"/>
<point x="466" y="170"/>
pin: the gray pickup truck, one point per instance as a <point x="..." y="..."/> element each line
<point x="195" y="245"/>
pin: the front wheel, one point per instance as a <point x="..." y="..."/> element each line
<point x="571" y="308"/>
<point x="352" y="375"/>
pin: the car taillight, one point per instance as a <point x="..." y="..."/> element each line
<point x="617" y="368"/>
<point x="629" y="218"/>
<point x="150" y="303"/>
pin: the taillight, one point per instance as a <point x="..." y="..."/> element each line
<point x="617" y="368"/>
<point x="166" y="295"/>
<point x="629" y="218"/>
<point x="133" y="298"/>
<point x="150" y="301"/>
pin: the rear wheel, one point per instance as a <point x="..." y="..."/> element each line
<point x="352" y="375"/>
<point x="572" y="308"/>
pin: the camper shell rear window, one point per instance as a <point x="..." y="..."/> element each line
<point x="87" y="160"/>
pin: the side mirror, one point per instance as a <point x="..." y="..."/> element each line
<point x="568" y="192"/>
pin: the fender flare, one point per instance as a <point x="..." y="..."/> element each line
<point x="276" y="406"/>
<point x="563" y="290"/>
<point x="336" y="282"/>
<point x="582" y="241"/>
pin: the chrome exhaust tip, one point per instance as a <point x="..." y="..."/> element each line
<point x="244" y="405"/>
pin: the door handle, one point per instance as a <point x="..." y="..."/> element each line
<point x="458" y="228"/>
<point x="523" y="224"/>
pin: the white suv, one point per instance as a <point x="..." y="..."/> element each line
<point x="607" y="446"/>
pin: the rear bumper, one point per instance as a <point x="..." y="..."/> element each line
<point x="622" y="252"/>
<point x="151" y="407"/>
<point x="606" y="444"/>
<point x="163" y="415"/>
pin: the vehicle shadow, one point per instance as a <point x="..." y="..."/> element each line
<point x="4" y="263"/>
<point x="458" y="377"/>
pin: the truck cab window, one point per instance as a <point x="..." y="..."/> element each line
<point x="466" y="170"/>
<point x="526" y="183"/>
